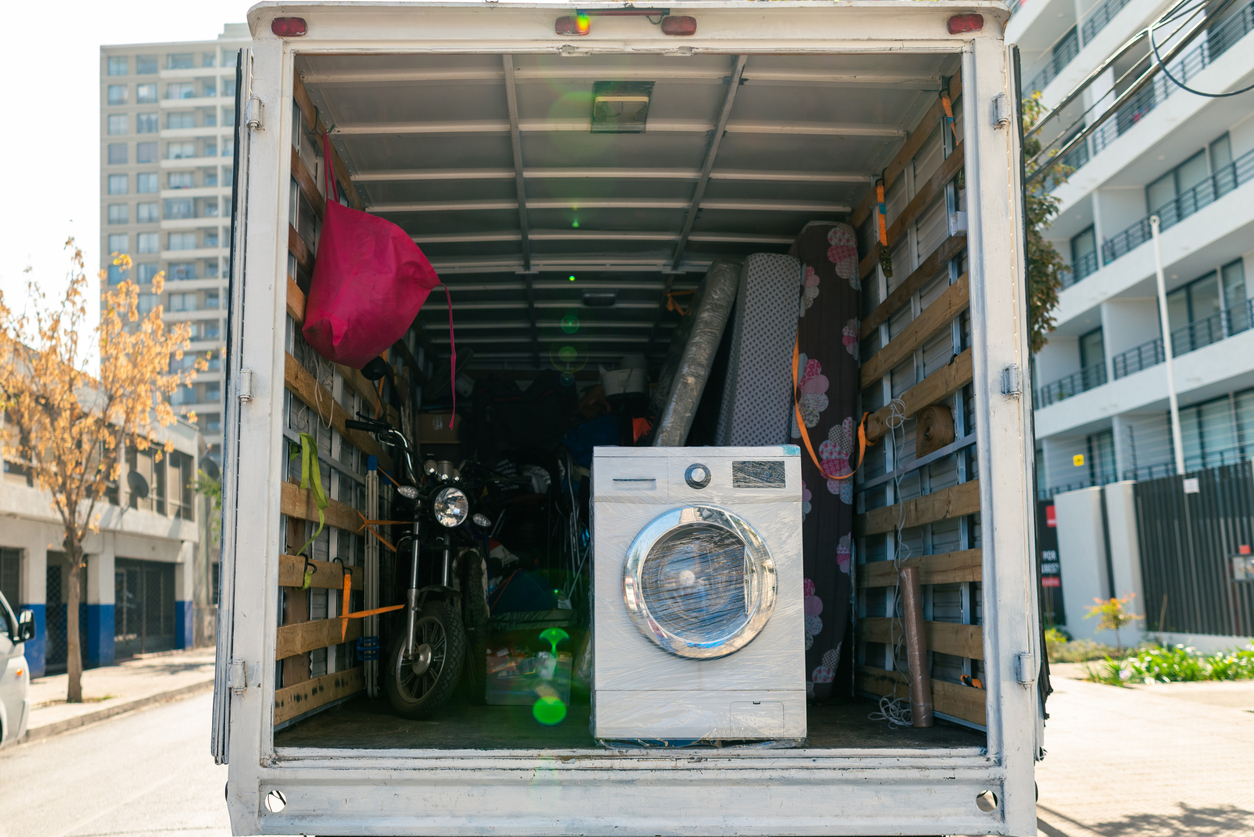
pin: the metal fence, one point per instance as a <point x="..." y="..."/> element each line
<point x="1074" y="384"/>
<point x="1187" y="542"/>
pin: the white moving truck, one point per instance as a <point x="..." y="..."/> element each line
<point x="584" y="165"/>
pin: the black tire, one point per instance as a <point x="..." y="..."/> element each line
<point x="418" y="696"/>
<point x="475" y="613"/>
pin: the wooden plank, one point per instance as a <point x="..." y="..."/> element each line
<point x="952" y="699"/>
<point x="314" y="124"/>
<point x="867" y="266"/>
<point x="299" y="503"/>
<point x="308" y="187"/>
<point x="297" y="247"/>
<point x="295" y="610"/>
<point x="320" y="633"/>
<point x="328" y="575"/>
<point x="945" y="568"/>
<point x="900" y="295"/>
<point x="301" y="382"/>
<point x="955" y="501"/>
<point x="926" y="194"/>
<point x="410" y="359"/>
<point x="943" y="637"/>
<point x="293" y="701"/>
<point x="939" y="314"/>
<point x="295" y="302"/>
<point x="945" y="381"/>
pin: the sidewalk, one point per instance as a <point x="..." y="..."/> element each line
<point x="112" y="690"/>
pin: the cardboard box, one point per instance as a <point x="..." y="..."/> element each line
<point x="433" y="429"/>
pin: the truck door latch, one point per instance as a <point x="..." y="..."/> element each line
<point x="252" y="116"/>
<point x="237" y="677"/>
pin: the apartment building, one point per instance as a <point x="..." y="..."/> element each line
<point x="167" y="114"/>
<point x="1100" y="384"/>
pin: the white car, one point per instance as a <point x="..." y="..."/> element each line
<point x="14" y="672"/>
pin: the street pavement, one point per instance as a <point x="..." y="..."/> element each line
<point x="147" y="773"/>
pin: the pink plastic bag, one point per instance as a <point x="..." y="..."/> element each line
<point x="369" y="281"/>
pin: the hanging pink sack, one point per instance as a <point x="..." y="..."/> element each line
<point x="369" y="281"/>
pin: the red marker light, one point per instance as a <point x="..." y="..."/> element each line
<point x="965" y="23"/>
<point x="679" y="25"/>
<point x="573" y="25"/>
<point x="288" y="27"/>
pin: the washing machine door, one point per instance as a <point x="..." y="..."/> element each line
<point x="700" y="582"/>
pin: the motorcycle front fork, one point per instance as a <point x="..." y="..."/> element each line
<point x="414" y="599"/>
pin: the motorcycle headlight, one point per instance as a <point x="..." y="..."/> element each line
<point x="450" y="507"/>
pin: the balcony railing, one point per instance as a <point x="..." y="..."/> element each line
<point x="1190" y="338"/>
<point x="1099" y="17"/>
<point x="1068" y="48"/>
<point x="1074" y="384"/>
<point x="1187" y="203"/>
<point x="1082" y="268"/>
<point x="1137" y="358"/>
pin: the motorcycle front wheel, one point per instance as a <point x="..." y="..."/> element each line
<point x="418" y="684"/>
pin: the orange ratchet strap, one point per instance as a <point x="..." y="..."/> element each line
<point x="801" y="425"/>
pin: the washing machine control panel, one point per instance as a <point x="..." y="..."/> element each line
<point x="697" y="475"/>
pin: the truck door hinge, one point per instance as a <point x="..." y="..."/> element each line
<point x="1011" y="384"/>
<point x="237" y="676"/>
<point x="246" y="385"/>
<point x="1001" y="110"/>
<point x="253" y="113"/>
<point x="1025" y="668"/>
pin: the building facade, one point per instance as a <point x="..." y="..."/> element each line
<point x="1101" y="383"/>
<point x="140" y="590"/>
<point x="167" y="114"/>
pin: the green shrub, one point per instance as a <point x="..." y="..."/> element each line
<point x="1177" y="664"/>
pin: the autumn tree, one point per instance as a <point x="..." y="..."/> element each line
<point x="70" y="427"/>
<point x="1045" y="266"/>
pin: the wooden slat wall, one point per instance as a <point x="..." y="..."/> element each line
<point x="293" y="701"/>
<point x="913" y="314"/>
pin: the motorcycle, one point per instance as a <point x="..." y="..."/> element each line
<point x="425" y="660"/>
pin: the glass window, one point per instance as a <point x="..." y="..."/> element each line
<point x="228" y="117"/>
<point x="178" y="208"/>
<point x="1091" y="349"/>
<point x="119" y="65"/>
<point x="147" y="272"/>
<point x="146" y="65"/>
<point x="147" y="302"/>
<point x="209" y="88"/>
<point x="118" y="243"/>
<point x="180" y="90"/>
<point x="228" y="87"/>
<point x="182" y="241"/>
<point x="117" y="184"/>
<point x="1220" y="153"/>
<point x="213" y="422"/>
<point x="228" y="147"/>
<point x="117" y="94"/>
<point x="180" y="150"/>
<point x="147" y="242"/>
<point x="1245" y="420"/>
<point x="115" y="273"/>
<point x="211" y="238"/>
<point x="177" y="121"/>
<point x="146" y="152"/>
<point x="146" y="123"/>
<point x="146" y="94"/>
<point x="1178" y="309"/>
<point x="1161" y="192"/>
<point x="211" y="268"/>
<point x="182" y="270"/>
<point x="179" y="61"/>
<point x="1204" y="297"/>
<point x="211" y="299"/>
<point x="209" y="177"/>
<point x="213" y="390"/>
<point x="180" y="180"/>
<point x="183" y="302"/>
<point x="211" y="147"/>
<point x="117" y="154"/>
<point x="118" y="213"/>
<point x="1233" y="279"/>
<point x="1191" y="172"/>
<point x="209" y="206"/>
<point x="208" y="59"/>
<point x="209" y="118"/>
<point x="146" y="184"/>
<point x="117" y="124"/>
<point x="146" y="213"/>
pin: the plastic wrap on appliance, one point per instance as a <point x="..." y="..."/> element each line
<point x="689" y="593"/>
<point x="693" y="346"/>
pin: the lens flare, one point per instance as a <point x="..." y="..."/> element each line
<point x="554" y="637"/>
<point x="570" y="323"/>
<point x="549" y="710"/>
<point x="567" y="354"/>
<point x="575" y="224"/>
<point x="571" y="277"/>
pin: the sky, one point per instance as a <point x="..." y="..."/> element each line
<point x="50" y="147"/>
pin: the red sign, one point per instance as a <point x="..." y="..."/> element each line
<point x="1051" y="581"/>
<point x="1051" y="517"/>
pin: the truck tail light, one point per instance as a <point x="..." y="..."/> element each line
<point x="965" y="23"/>
<point x="573" y="25"/>
<point x="288" y="27"/>
<point x="680" y="25"/>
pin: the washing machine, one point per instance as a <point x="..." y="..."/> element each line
<point x="698" y="626"/>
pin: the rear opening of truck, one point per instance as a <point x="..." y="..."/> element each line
<point x="571" y="188"/>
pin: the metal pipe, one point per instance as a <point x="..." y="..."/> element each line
<point x="1177" y="437"/>
<point x="916" y="648"/>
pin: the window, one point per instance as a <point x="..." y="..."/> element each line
<point x="178" y="208"/>
<point x="208" y="88"/>
<point x="211" y="268"/>
<point x="213" y="421"/>
<point x="117" y="94"/>
<point x="210" y="205"/>
<point x="180" y="150"/>
<point x="183" y="395"/>
<point x="147" y="243"/>
<point x="119" y="65"/>
<point x="1194" y="302"/>
<point x="211" y="147"/>
<point x="228" y="147"/>
<point x="228" y="87"/>
<point x="1220" y="153"/>
<point x="230" y="57"/>
<point x="147" y="272"/>
<point x="117" y="154"/>
<point x="209" y="118"/>
<point x="118" y="184"/>
<point x="146" y="65"/>
<point x="180" y="90"/>
<point x="211" y="238"/>
<point x="145" y="152"/>
<point x="227" y="174"/>
<point x="1160" y="194"/>
<point x="213" y="390"/>
<point x="118" y="243"/>
<point x="117" y="124"/>
<point x="183" y="302"/>
<point x="1232" y="276"/>
<point x="182" y="241"/>
<point x="146" y="213"/>
<point x="1209" y="434"/>
<point x="228" y="117"/>
<point x="146" y="184"/>
<point x="179" y="61"/>
<point x="210" y="177"/>
<point x="146" y="303"/>
<point x="146" y="94"/>
<point x="211" y="299"/>
<point x="177" y="121"/>
<point x="182" y="270"/>
<point x="1092" y="350"/>
<point x="208" y="59"/>
<point x="180" y="180"/>
<point x="115" y="274"/>
<point x="146" y="123"/>
<point x="1101" y="455"/>
<point x="118" y="213"/>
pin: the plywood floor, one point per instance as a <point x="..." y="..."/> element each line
<point x="365" y="723"/>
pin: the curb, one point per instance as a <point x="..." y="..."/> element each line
<point x="57" y="727"/>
